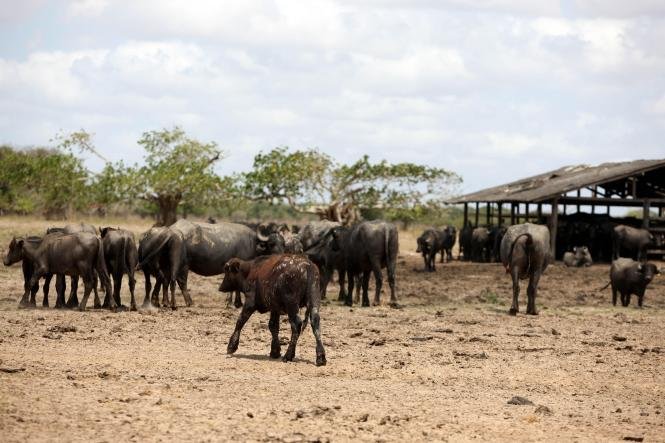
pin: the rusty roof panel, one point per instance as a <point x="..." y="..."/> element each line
<point x="544" y="187"/>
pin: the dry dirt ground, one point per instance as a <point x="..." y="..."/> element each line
<point x="443" y="367"/>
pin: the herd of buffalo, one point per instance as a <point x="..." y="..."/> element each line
<point x="280" y="269"/>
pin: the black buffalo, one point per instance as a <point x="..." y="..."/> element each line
<point x="448" y="238"/>
<point x="317" y="242"/>
<point x="121" y="258"/>
<point x="633" y="241"/>
<point x="525" y="253"/>
<point x="465" y="236"/>
<point x="481" y="245"/>
<point x="628" y="277"/>
<point x="279" y="284"/>
<point x="79" y="255"/>
<point x="429" y="244"/>
<point x="367" y="248"/>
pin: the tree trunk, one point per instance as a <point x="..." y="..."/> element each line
<point x="168" y="207"/>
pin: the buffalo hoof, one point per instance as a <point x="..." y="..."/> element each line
<point x="81" y="308"/>
<point x="45" y="304"/>
<point x="60" y="306"/>
<point x="26" y="305"/>
<point x="512" y="311"/>
<point x="133" y="307"/>
<point x="321" y="360"/>
<point x="395" y="305"/>
<point x="174" y="308"/>
<point x="232" y="348"/>
<point x="120" y="308"/>
<point x="532" y="312"/>
<point x="288" y="357"/>
<point x="275" y="353"/>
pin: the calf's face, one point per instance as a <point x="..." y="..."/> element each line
<point x="15" y="252"/>
<point x="648" y="271"/>
<point x="235" y="272"/>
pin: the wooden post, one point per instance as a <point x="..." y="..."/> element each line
<point x="554" y="221"/>
<point x="466" y="214"/>
<point x="540" y="212"/>
<point x="646" y="213"/>
<point x="488" y="214"/>
<point x="579" y="194"/>
<point x="501" y="217"/>
<point x="526" y="213"/>
<point x="660" y="211"/>
<point x="595" y="195"/>
<point x="477" y="212"/>
<point x="512" y="213"/>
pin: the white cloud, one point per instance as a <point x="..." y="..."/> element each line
<point x="87" y="8"/>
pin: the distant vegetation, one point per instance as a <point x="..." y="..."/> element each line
<point x="177" y="176"/>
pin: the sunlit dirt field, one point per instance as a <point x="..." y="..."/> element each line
<point x="443" y="367"/>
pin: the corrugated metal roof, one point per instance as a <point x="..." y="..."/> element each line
<point x="543" y="187"/>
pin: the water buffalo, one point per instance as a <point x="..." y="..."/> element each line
<point x="203" y="248"/>
<point x="448" y="235"/>
<point x="161" y="254"/>
<point x="121" y="258"/>
<point x="525" y="253"/>
<point x="368" y="247"/>
<point x="496" y="235"/>
<point x="628" y="277"/>
<point x="279" y="284"/>
<point x="581" y="256"/>
<point x="28" y="269"/>
<point x="73" y="228"/>
<point x="78" y="255"/>
<point x="430" y="243"/>
<point x="317" y="242"/>
<point x="630" y="240"/>
<point x="465" y="235"/>
<point x="481" y="245"/>
<point x="280" y="241"/>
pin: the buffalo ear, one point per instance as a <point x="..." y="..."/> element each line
<point x="640" y="268"/>
<point x="244" y="267"/>
<point x="234" y="266"/>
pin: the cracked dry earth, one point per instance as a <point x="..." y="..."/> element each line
<point x="443" y="367"/>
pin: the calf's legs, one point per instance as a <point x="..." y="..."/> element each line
<point x="247" y="311"/>
<point x="316" y="329"/>
<point x="296" y="327"/>
<point x="273" y="325"/>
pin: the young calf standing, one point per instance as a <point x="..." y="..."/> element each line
<point x="627" y="277"/>
<point x="525" y="253"/>
<point x="279" y="284"/>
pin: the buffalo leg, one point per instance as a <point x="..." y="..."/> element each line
<point x="514" y="309"/>
<point x="132" y="285"/>
<point x="432" y="259"/>
<point x="46" y="289"/>
<point x="106" y="293"/>
<point x="531" y="292"/>
<point x="391" y="282"/>
<point x="165" y="292"/>
<point x="117" y="286"/>
<point x="34" y="280"/>
<point x="296" y="327"/>
<point x="378" y="280"/>
<point x="365" y="287"/>
<point x="341" y="277"/>
<point x="316" y="329"/>
<point x="614" y="296"/>
<point x="171" y="287"/>
<point x="640" y="298"/>
<point x="182" y="283"/>
<point x="60" y="291"/>
<point x="148" y="287"/>
<point x="73" y="300"/>
<point x="27" y="273"/>
<point x="273" y="325"/>
<point x="238" y="300"/>
<point x="246" y="312"/>
<point x="625" y="299"/>
<point x="349" y="292"/>
<point x="87" y="284"/>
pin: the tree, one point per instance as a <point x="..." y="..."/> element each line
<point x="311" y="181"/>
<point x="45" y="180"/>
<point x="178" y="169"/>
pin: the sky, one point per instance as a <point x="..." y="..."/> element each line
<point x="494" y="90"/>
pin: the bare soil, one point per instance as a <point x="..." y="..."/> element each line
<point x="443" y="367"/>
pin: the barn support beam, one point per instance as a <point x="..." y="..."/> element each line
<point x="554" y="221"/>
<point x="646" y="214"/>
<point x="526" y="211"/>
<point x="488" y="213"/>
<point x="466" y="214"/>
<point x="540" y="212"/>
<point x="512" y="213"/>
<point x="477" y="212"/>
<point x="500" y="215"/>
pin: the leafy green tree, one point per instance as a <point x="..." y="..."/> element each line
<point x="45" y="180"/>
<point x="178" y="169"/>
<point x="311" y="181"/>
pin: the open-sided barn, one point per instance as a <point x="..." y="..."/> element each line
<point x="550" y="196"/>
